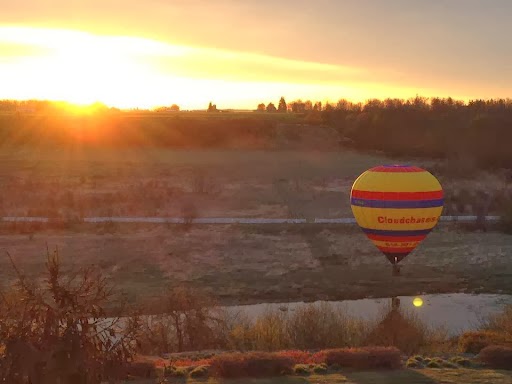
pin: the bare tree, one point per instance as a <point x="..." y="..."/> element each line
<point x="187" y="321"/>
<point x="57" y="331"/>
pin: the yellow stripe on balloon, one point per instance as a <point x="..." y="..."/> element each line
<point x="379" y="218"/>
<point x="397" y="181"/>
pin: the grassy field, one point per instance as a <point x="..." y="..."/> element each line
<point x="76" y="182"/>
<point x="407" y="376"/>
<point x="162" y="182"/>
<point x="240" y="263"/>
<point x="269" y="263"/>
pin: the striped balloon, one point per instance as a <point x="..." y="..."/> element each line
<point x="396" y="206"/>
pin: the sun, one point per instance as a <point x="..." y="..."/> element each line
<point x="84" y="71"/>
<point x="417" y="302"/>
<point x="82" y="68"/>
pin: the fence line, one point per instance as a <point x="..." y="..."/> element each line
<point x="219" y="220"/>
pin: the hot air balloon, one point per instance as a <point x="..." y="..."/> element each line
<point x="396" y="206"/>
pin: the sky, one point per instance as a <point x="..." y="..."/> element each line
<point x="238" y="53"/>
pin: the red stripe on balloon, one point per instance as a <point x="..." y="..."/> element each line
<point x="396" y="169"/>
<point x="395" y="249"/>
<point x="405" y="239"/>
<point x="395" y="196"/>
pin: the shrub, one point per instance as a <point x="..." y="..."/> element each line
<point x="433" y="364"/>
<point x="255" y="364"/>
<point x="475" y="341"/>
<point x="413" y="363"/>
<point x="56" y="329"/>
<point x="269" y="332"/>
<point x="365" y="358"/>
<point x="189" y="362"/>
<point x="449" y="364"/>
<point x="405" y="331"/>
<point x="200" y="371"/>
<point x="310" y="326"/>
<point x="320" y="368"/>
<point x="501" y="322"/>
<point x="461" y="361"/>
<point x="175" y="372"/>
<point x="140" y="369"/>
<point x="301" y="369"/>
<point x="319" y="357"/>
<point x="496" y="357"/>
<point x="323" y="326"/>
<point x="298" y="357"/>
<point x="187" y="321"/>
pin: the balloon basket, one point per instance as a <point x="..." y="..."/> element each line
<point x="396" y="270"/>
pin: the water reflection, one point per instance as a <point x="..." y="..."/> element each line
<point x="457" y="312"/>
<point x="417" y="302"/>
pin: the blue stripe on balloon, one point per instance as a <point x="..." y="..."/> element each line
<point x="396" y="203"/>
<point x="385" y="232"/>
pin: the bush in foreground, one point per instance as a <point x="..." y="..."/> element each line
<point x="501" y="322"/>
<point x="474" y="342"/>
<point x="175" y="372"/>
<point x="496" y="356"/>
<point x="405" y="330"/>
<point x="139" y="369"/>
<point x="413" y="363"/>
<point x="55" y="329"/>
<point x="433" y="364"/>
<point x="320" y="368"/>
<point x="301" y="369"/>
<point x="365" y="358"/>
<point x="449" y="364"/>
<point x="461" y="361"/>
<point x="298" y="357"/>
<point x="255" y="364"/>
<point x="200" y="371"/>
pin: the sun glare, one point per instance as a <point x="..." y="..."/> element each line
<point x="82" y="68"/>
<point x="132" y="72"/>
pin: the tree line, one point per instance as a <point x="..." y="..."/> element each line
<point x="480" y="130"/>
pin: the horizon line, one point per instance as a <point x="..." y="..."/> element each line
<point x="427" y="99"/>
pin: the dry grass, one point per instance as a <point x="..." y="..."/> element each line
<point x="159" y="182"/>
<point x="270" y="262"/>
<point x="364" y="358"/>
<point x="87" y="182"/>
<point x="255" y="364"/>
<point x="405" y="331"/>
<point x="496" y="356"/>
<point x="474" y="342"/>
<point x="406" y="376"/>
<point x="261" y="263"/>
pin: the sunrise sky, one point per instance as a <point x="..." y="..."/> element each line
<point x="238" y="53"/>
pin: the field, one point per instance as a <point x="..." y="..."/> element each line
<point x="239" y="263"/>
<point x="408" y="376"/>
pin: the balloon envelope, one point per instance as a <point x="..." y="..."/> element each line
<point x="396" y="206"/>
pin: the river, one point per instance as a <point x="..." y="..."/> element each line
<point x="458" y="312"/>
